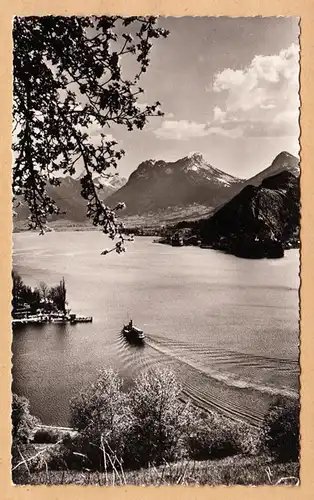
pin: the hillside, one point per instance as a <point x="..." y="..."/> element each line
<point x="255" y="218"/>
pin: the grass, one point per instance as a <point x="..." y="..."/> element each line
<point x="229" y="471"/>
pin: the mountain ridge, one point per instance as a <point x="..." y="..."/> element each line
<point x="183" y="182"/>
<point x="157" y="186"/>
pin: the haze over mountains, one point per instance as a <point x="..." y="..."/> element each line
<point x="158" y="186"/>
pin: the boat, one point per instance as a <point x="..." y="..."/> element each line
<point x="80" y="319"/>
<point x="133" y="334"/>
<point x="59" y="320"/>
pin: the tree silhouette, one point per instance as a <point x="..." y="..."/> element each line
<point x="68" y="77"/>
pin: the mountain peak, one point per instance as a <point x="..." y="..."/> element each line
<point x="158" y="185"/>
<point x="286" y="161"/>
<point x="284" y="155"/>
<point x="195" y="156"/>
<point x="283" y="161"/>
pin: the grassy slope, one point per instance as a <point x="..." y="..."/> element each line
<point x="228" y="471"/>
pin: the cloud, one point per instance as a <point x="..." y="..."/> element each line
<point x="263" y="98"/>
<point x="182" y="130"/>
<point x="260" y="100"/>
<point x="94" y="130"/>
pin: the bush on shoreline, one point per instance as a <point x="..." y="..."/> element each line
<point x="103" y="417"/>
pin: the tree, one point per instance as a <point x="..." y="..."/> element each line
<point x="17" y="289"/>
<point x="160" y="419"/>
<point x="102" y="416"/>
<point x="67" y="77"/>
<point x="44" y="290"/>
<point x="23" y="423"/>
<point x="58" y="295"/>
<point x="280" y="433"/>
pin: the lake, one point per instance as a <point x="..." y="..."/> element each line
<point x="227" y="326"/>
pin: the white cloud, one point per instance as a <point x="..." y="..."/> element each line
<point x="261" y="99"/>
<point x="180" y="130"/>
<point x="233" y="133"/>
<point x="94" y="130"/>
<point x="183" y="130"/>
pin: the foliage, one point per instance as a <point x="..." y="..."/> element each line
<point x="144" y="425"/>
<point x="45" y="436"/>
<point x="103" y="417"/>
<point x="23" y="294"/>
<point x="213" y="437"/>
<point x="58" y="295"/>
<point x="23" y="423"/>
<point x="67" y="79"/>
<point x="280" y="435"/>
<point x="150" y="427"/>
<point x="160" y="419"/>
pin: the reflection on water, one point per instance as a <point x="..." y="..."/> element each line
<point x="227" y="326"/>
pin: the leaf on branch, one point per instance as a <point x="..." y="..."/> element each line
<point x="67" y="77"/>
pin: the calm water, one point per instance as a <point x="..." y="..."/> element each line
<point x="227" y="326"/>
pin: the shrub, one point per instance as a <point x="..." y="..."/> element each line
<point x="46" y="436"/>
<point x="212" y="436"/>
<point x="102" y="416"/>
<point x="280" y="433"/>
<point x="23" y="423"/>
<point x="160" y="419"/>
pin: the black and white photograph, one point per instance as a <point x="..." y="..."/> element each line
<point x="155" y="251"/>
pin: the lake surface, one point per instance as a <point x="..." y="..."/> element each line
<point x="227" y="326"/>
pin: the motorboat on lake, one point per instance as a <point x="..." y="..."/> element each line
<point x="133" y="334"/>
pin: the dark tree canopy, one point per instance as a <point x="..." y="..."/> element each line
<point x="68" y="77"/>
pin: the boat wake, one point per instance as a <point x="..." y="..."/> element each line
<point x="204" y="384"/>
<point x="209" y="357"/>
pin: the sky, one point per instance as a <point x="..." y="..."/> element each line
<point x="229" y="90"/>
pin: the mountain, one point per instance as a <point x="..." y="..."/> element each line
<point x="160" y="192"/>
<point x="283" y="162"/>
<point x="110" y="185"/>
<point x="68" y="198"/>
<point x="159" y="185"/>
<point x="256" y="217"/>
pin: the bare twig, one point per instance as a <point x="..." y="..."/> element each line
<point x="34" y="456"/>
<point x="269" y="474"/>
<point x="24" y="461"/>
<point x="105" y="460"/>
